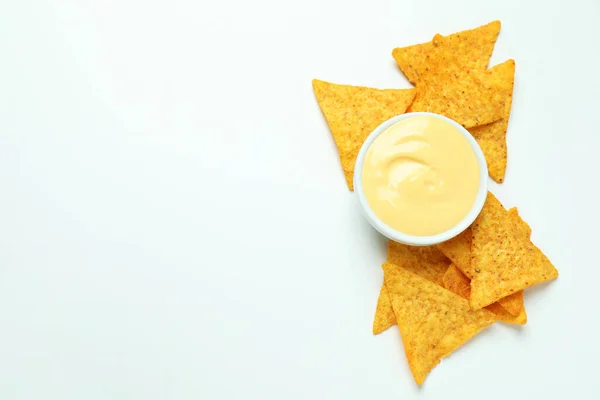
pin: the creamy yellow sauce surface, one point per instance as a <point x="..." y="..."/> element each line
<point x="421" y="176"/>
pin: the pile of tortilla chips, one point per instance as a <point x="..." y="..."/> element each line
<point x="441" y="296"/>
<point x="451" y="78"/>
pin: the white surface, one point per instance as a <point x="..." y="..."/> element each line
<point x="136" y="136"/>
<point x="401" y="237"/>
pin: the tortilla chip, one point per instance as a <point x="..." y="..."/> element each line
<point x="432" y="320"/>
<point x="522" y="227"/>
<point x="469" y="97"/>
<point x="458" y="249"/>
<point x="426" y="261"/>
<point x="503" y="260"/>
<point x="384" y="314"/>
<point x="505" y="316"/>
<point x="513" y="304"/>
<point x="492" y="137"/>
<point x="458" y="283"/>
<point x="474" y="48"/>
<point x="353" y="112"/>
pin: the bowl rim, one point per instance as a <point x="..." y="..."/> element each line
<point x="404" y="238"/>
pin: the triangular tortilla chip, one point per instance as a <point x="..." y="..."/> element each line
<point x="458" y="249"/>
<point x="474" y="48"/>
<point x="433" y="321"/>
<point x="522" y="227"/>
<point x="384" y="314"/>
<point x="492" y="137"/>
<point x="505" y="316"/>
<point x="467" y="96"/>
<point x="458" y="283"/>
<point x="513" y="304"/>
<point x="503" y="260"/>
<point x="353" y="112"/>
<point x="426" y="261"/>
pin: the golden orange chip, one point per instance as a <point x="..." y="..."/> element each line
<point x="492" y="137"/>
<point x="384" y="314"/>
<point x="522" y="227"/>
<point x="426" y="261"/>
<point x="433" y="321"/>
<point x="513" y="303"/>
<point x="503" y="260"/>
<point x="458" y="249"/>
<point x="457" y="282"/>
<point x="467" y="96"/>
<point x="505" y="316"/>
<point x="353" y="112"/>
<point x="460" y="284"/>
<point x="474" y="48"/>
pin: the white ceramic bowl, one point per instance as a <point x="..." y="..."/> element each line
<point x="398" y="236"/>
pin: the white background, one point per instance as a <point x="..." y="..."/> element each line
<point x="174" y="222"/>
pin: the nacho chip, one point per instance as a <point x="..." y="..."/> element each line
<point x="492" y="137"/>
<point x="513" y="304"/>
<point x="458" y="283"/>
<point x="467" y="96"/>
<point x="458" y="249"/>
<point x="505" y="316"/>
<point x="384" y="314"/>
<point x="474" y="48"/>
<point x="503" y="260"/>
<point x="432" y="320"/>
<point x="426" y="261"/>
<point x="523" y="227"/>
<point x="353" y="112"/>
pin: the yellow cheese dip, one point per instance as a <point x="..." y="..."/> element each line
<point x="421" y="176"/>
